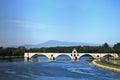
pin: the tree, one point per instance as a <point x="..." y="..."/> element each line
<point x="21" y="50"/>
<point x="105" y="48"/>
<point x="116" y="48"/>
<point x="1" y="51"/>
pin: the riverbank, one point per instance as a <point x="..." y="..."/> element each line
<point x="106" y="66"/>
<point x="115" y="61"/>
<point x="5" y="57"/>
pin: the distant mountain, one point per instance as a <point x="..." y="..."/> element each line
<point x="55" y="43"/>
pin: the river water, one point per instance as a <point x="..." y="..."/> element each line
<point x="36" y="69"/>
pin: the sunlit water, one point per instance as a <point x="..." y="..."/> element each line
<point x="40" y="69"/>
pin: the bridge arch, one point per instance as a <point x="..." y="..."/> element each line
<point x="108" y="55"/>
<point x="74" y="55"/>
<point x="64" y="55"/>
<point x="93" y="56"/>
<point x="40" y="57"/>
<point x="36" y="55"/>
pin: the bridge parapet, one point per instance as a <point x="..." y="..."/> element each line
<point x="74" y="55"/>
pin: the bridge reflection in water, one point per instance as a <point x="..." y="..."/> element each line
<point x="72" y="56"/>
<point x="37" y="58"/>
<point x="61" y="58"/>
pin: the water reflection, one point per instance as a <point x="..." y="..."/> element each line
<point x="78" y="70"/>
<point x="39" y="59"/>
<point x="62" y="58"/>
<point x="86" y="58"/>
<point x="10" y="59"/>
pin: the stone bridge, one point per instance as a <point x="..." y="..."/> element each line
<point x="74" y="55"/>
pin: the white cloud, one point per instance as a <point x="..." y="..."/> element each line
<point x="26" y="24"/>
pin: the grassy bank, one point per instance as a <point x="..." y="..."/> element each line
<point x="116" y="61"/>
<point x="106" y="66"/>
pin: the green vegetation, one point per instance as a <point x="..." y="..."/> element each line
<point x="109" y="65"/>
<point x="80" y="49"/>
<point x="10" y="51"/>
<point x="115" y="61"/>
<point x="116" y="48"/>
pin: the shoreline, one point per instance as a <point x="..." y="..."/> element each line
<point x="105" y="67"/>
<point x="5" y="57"/>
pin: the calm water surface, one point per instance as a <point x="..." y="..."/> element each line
<point x="36" y="69"/>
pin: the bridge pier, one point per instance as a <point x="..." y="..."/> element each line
<point x="51" y="59"/>
<point x="26" y="58"/>
<point x="74" y="55"/>
<point x="73" y="58"/>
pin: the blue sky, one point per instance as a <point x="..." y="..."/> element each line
<point x="37" y="21"/>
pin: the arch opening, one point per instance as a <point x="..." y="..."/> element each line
<point x="107" y="56"/>
<point x="39" y="58"/>
<point x="86" y="58"/>
<point x="63" y="58"/>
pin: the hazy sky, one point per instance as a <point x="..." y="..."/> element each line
<point x="37" y="21"/>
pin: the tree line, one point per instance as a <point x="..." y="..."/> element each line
<point x="105" y="48"/>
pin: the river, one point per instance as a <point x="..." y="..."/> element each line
<point x="36" y="69"/>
